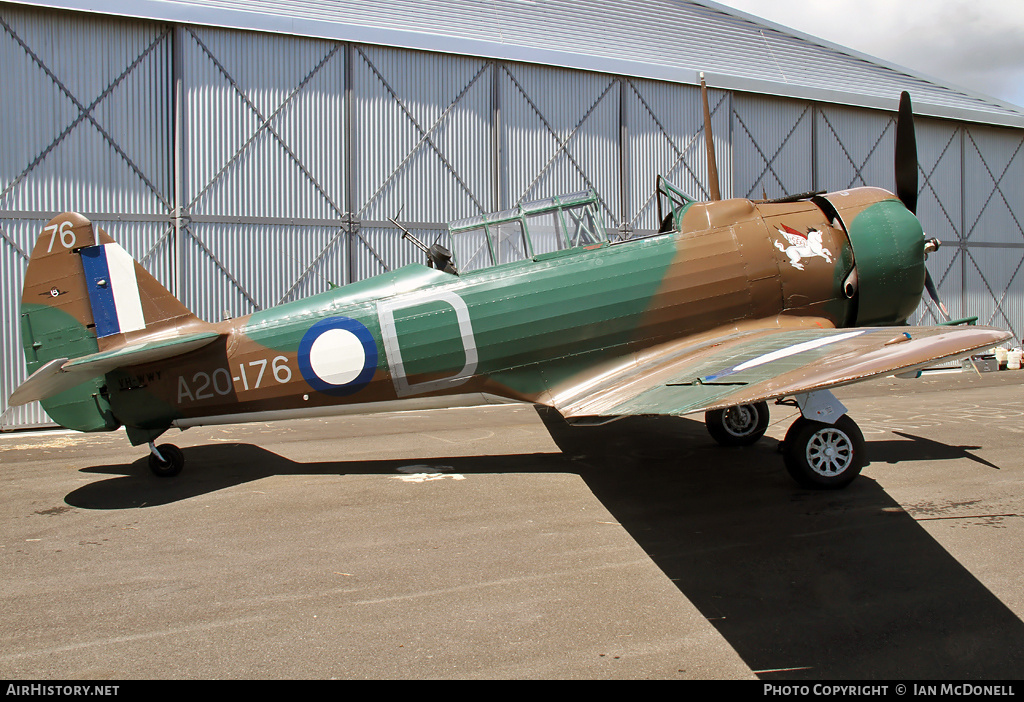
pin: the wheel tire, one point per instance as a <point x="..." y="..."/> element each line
<point x="824" y="456"/>
<point x="741" y="425"/>
<point x="174" y="461"/>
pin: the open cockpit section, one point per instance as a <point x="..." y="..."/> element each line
<point x="527" y="231"/>
<point x="672" y="204"/>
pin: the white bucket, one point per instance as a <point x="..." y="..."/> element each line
<point x="1001" y="354"/>
<point x="1013" y="359"/>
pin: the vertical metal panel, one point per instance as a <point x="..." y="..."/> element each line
<point x="666" y="137"/>
<point x="82" y="131"/>
<point x="993" y="184"/>
<point x="247" y="267"/>
<point x="772" y="146"/>
<point x="992" y="286"/>
<point x="264" y="125"/>
<point x="940" y="186"/>
<point x="993" y="165"/>
<point x="560" y="133"/>
<point x="89" y="131"/>
<point x="422" y="132"/>
<point x="264" y="140"/>
<point x="854" y="148"/>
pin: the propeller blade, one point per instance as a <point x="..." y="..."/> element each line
<point x="709" y="142"/>
<point x="934" y="293"/>
<point x="906" y="154"/>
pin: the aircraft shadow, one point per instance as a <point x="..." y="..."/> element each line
<point x="802" y="584"/>
<point x="805" y="584"/>
<point x="919" y="448"/>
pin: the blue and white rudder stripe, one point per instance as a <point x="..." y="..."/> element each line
<point x="113" y="289"/>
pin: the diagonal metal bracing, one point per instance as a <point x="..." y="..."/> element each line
<point x="857" y="170"/>
<point x="997" y="302"/>
<point x="425" y="134"/>
<point x="928" y="177"/>
<point x="266" y="123"/>
<point x="13" y="244"/>
<point x="1006" y="291"/>
<point x="217" y="262"/>
<point x="85" y="113"/>
<point x="316" y="260"/>
<point x="995" y="185"/>
<point x="996" y="189"/>
<point x="769" y="162"/>
<point x="680" y="152"/>
<point x="148" y="256"/>
<point x="369" y="247"/>
<point x="563" y="144"/>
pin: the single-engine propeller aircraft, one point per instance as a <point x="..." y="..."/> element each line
<point x="733" y="304"/>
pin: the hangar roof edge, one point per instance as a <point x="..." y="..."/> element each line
<point x="667" y="40"/>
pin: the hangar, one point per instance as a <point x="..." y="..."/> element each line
<point x="251" y="155"/>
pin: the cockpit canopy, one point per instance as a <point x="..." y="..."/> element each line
<point x="672" y="205"/>
<point x="528" y="230"/>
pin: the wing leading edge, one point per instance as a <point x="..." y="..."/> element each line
<point x="742" y="366"/>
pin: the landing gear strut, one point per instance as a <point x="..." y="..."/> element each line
<point x="824" y="449"/>
<point x="165" y="460"/>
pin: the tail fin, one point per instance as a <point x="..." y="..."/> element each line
<point x="84" y="294"/>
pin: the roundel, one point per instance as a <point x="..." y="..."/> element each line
<point x="337" y="356"/>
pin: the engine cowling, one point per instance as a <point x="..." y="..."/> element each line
<point x="888" y="247"/>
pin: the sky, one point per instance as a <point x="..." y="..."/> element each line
<point x="972" y="44"/>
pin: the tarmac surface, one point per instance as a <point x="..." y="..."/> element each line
<point x="465" y="544"/>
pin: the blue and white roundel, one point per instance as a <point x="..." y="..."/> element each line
<point x="337" y="356"/>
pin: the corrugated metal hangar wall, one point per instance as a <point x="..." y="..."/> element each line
<point x="247" y="169"/>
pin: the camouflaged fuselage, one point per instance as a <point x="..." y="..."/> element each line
<point x="523" y="331"/>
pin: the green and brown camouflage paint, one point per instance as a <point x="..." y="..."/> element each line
<point x="522" y="331"/>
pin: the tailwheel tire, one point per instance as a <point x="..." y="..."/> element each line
<point x="174" y="461"/>
<point x="741" y="425"/>
<point x="824" y="456"/>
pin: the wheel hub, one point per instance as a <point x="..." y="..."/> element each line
<point x="740" y="420"/>
<point x="829" y="452"/>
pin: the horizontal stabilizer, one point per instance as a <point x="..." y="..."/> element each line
<point x="62" y="374"/>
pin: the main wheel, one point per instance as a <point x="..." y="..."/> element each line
<point x="741" y="425"/>
<point x="824" y="456"/>
<point x="174" y="461"/>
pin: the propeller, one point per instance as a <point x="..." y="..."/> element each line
<point x="906" y="183"/>
<point x="709" y="142"/>
<point x="930" y="285"/>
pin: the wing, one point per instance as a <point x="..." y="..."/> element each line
<point x="743" y="365"/>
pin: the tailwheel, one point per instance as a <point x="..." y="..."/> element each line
<point x="165" y="460"/>
<point x="824" y="456"/>
<point x="741" y="425"/>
